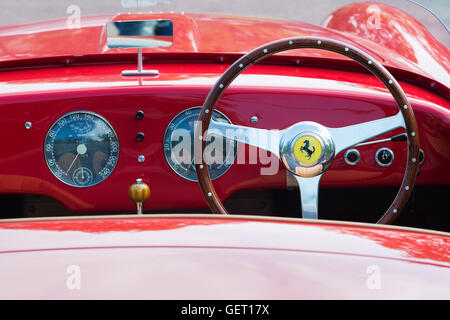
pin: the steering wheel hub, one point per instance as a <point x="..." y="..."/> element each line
<point x="306" y="149"/>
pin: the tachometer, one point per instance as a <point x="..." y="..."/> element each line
<point x="81" y="149"/>
<point x="179" y="146"/>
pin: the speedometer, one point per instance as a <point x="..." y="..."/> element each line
<point x="81" y="149"/>
<point x="179" y="146"/>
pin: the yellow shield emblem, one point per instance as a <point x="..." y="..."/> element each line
<point x="307" y="149"/>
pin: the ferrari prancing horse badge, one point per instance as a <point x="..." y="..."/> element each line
<point x="307" y="149"/>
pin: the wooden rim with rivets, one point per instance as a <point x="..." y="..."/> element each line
<point x="356" y="54"/>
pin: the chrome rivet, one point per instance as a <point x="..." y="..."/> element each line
<point x="220" y="86"/>
<point x="297" y="62"/>
<point x="241" y="65"/>
<point x="265" y="50"/>
<point x="221" y="59"/>
<point x="182" y="13"/>
<point x="254" y="119"/>
<point x="407" y="188"/>
<point x="432" y="84"/>
<point x="413" y="134"/>
<point x="141" y="158"/>
<point x="369" y="62"/>
<point x="390" y="81"/>
<point x="28" y="125"/>
<point x="207" y="111"/>
<point x="201" y="166"/>
<point x="209" y="194"/>
<point x="200" y="138"/>
<point x="405" y="107"/>
<point x="395" y="210"/>
<point x="413" y="160"/>
<point x="346" y="49"/>
<point x="319" y="42"/>
<point x="290" y="42"/>
<point x="67" y="61"/>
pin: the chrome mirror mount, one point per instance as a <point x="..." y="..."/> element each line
<point x="139" y="34"/>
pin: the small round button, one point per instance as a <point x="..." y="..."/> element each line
<point x="140" y="136"/>
<point x="384" y="157"/>
<point x="352" y="157"/>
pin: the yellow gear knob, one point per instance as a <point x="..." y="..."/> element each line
<point x="139" y="192"/>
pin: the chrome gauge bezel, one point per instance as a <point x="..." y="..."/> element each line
<point x="384" y="164"/>
<point x="169" y="162"/>
<point x="348" y="161"/>
<point x="115" y="153"/>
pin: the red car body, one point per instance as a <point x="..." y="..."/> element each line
<point x="48" y="70"/>
<point x="198" y="257"/>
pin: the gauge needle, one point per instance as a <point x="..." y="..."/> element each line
<point x="73" y="162"/>
<point x="81" y="149"/>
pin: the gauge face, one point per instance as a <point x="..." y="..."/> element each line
<point x="179" y="146"/>
<point x="81" y="149"/>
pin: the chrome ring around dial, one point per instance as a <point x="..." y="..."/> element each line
<point x="81" y="149"/>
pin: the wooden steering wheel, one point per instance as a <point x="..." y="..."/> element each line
<point x="289" y="144"/>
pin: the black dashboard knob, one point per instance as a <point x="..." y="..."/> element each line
<point x="384" y="157"/>
<point x="140" y="136"/>
<point x="140" y="115"/>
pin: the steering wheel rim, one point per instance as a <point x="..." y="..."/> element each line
<point x="258" y="54"/>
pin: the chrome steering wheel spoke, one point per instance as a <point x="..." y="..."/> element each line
<point x="346" y="137"/>
<point x="309" y="196"/>
<point x="268" y="140"/>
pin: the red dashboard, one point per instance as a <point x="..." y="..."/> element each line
<point x="333" y="98"/>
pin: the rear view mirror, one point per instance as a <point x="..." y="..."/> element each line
<point x="139" y="34"/>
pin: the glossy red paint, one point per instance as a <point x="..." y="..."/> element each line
<point x="279" y="95"/>
<point x="132" y="258"/>
<point x="396" y="31"/>
<point x="199" y="33"/>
